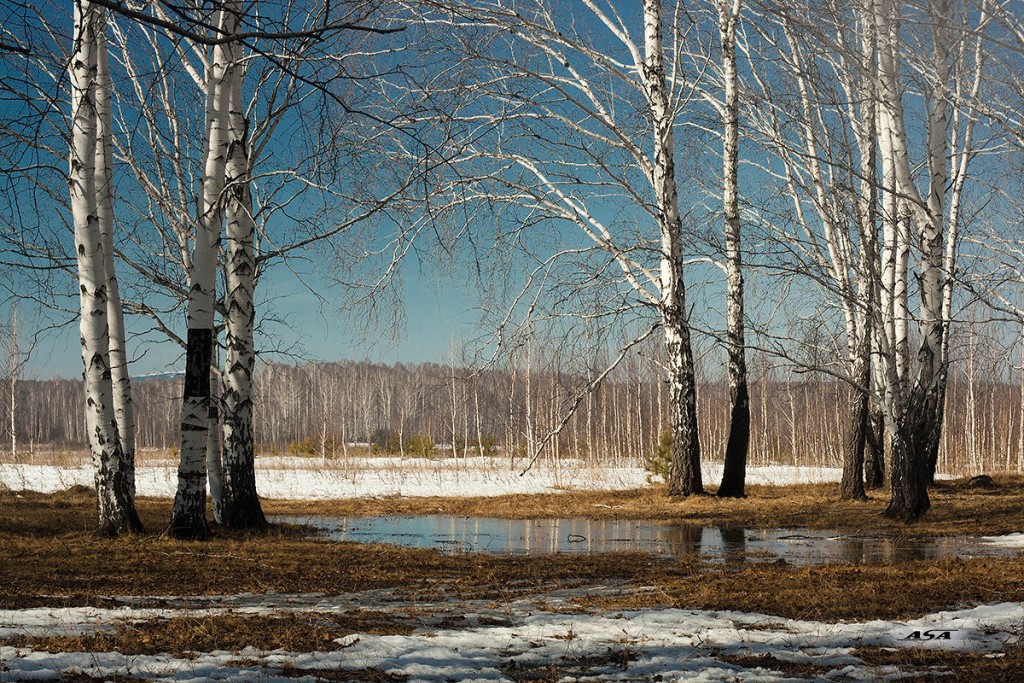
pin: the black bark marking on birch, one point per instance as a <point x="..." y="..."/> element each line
<point x="198" y="357"/>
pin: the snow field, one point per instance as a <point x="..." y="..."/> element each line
<point x="673" y="644"/>
<point x="303" y="479"/>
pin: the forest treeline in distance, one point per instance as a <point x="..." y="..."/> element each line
<point x="340" y="409"/>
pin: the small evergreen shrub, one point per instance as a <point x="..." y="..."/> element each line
<point x="659" y="462"/>
<point x="420" y="445"/>
<point x="305" y="448"/>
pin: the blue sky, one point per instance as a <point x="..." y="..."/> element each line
<point x="436" y="311"/>
<point x="437" y="301"/>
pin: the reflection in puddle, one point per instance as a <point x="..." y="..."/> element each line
<point x="719" y="544"/>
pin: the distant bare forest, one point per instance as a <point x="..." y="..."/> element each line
<point x="332" y="410"/>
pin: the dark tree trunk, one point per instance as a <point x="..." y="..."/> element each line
<point x="734" y="474"/>
<point x="874" y="456"/>
<point x="852" y="487"/>
<point x="935" y="434"/>
<point x="240" y="505"/>
<point x="909" y="474"/>
<point x="115" y="506"/>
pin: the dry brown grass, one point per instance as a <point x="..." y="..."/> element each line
<point x="182" y="635"/>
<point x="832" y="592"/>
<point x="49" y="556"/>
<point x="918" y="664"/>
<point x="950" y="665"/>
<point x="955" y="508"/>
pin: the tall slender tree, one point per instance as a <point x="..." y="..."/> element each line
<point x="188" y="519"/>
<point x="124" y="409"/>
<point x="585" y="109"/>
<point x="738" y="443"/>
<point x="115" y="504"/>
<point x="240" y="505"/>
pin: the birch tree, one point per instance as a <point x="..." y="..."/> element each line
<point x="240" y="506"/>
<point x="288" y="76"/>
<point x="188" y="519"/>
<point x="115" y="504"/>
<point x="868" y="68"/>
<point x="588" y="110"/>
<point x="124" y="410"/>
<point x="734" y="472"/>
<point x="16" y="351"/>
<point x="825" y="143"/>
<point x="685" y="475"/>
<point x="914" y="406"/>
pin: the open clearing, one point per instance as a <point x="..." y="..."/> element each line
<point x="287" y="606"/>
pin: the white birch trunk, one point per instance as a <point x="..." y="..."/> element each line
<point x="960" y="166"/>
<point x="865" y="129"/>
<point x="734" y="473"/>
<point x="188" y="518"/>
<point x="124" y="409"/>
<point x="915" y="419"/>
<point x="684" y="475"/>
<point x="115" y="508"/>
<point x="241" y="505"/>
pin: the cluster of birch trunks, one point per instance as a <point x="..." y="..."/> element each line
<point x="225" y="209"/>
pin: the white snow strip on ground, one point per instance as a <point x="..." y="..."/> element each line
<point x="671" y="643"/>
<point x="1007" y="541"/>
<point x="299" y="478"/>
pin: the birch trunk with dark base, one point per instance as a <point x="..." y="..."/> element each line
<point x="908" y="478"/>
<point x="735" y="471"/>
<point x="115" y="507"/>
<point x="734" y="474"/>
<point x="856" y="438"/>
<point x="684" y="473"/>
<point x="912" y="414"/>
<point x="240" y="507"/>
<point x="874" y="450"/>
<point x="124" y="410"/>
<point x="188" y="518"/>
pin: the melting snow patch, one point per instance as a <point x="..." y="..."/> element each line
<point x="672" y="644"/>
<point x="1007" y="541"/>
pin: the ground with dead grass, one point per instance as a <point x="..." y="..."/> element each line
<point x="49" y="557"/>
<point x="49" y="554"/>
